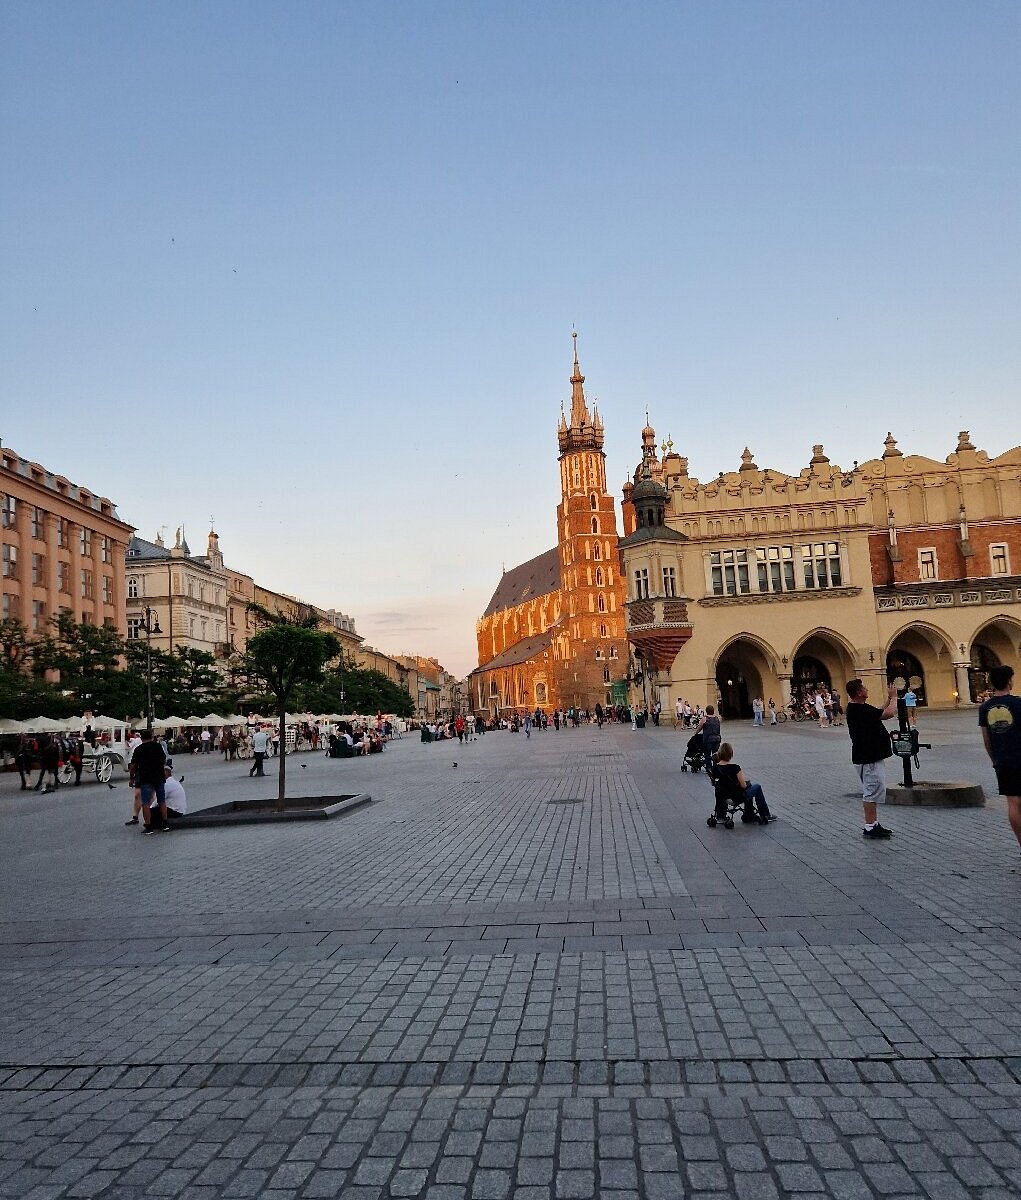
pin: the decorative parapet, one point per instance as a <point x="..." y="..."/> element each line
<point x="946" y="596"/>
<point x="777" y="597"/>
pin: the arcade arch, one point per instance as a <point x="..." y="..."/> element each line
<point x="996" y="643"/>
<point x="746" y="668"/>
<point x="821" y="657"/>
<point x="923" y="656"/>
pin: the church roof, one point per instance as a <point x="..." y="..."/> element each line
<point x="537" y="577"/>
<point x="520" y="652"/>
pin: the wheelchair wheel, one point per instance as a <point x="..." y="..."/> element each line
<point x="711" y="822"/>
<point x="728" y="823"/>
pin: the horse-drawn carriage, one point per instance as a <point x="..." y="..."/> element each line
<point x="99" y="762"/>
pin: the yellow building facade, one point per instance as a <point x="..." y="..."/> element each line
<point x="759" y="583"/>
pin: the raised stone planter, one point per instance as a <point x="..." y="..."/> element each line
<point x="264" y="812"/>
<point x="950" y="794"/>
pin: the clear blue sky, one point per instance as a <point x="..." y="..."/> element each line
<point x="312" y="268"/>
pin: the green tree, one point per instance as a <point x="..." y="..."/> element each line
<point x="89" y="659"/>
<point x="278" y="659"/>
<point x="346" y="688"/>
<point x="184" y="680"/>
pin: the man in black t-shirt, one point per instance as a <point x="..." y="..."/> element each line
<point x="870" y="744"/>
<point x="1000" y="721"/>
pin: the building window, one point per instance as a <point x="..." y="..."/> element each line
<point x="821" y="563"/>
<point x="86" y="585"/>
<point x="602" y="631"/>
<point x="64" y="578"/>
<point x="642" y="583"/>
<point x="597" y="551"/>
<point x="10" y="512"/>
<point x="606" y="674"/>
<point x="613" y="652"/>
<point x="599" y="577"/>
<point x="38" y="570"/>
<point x="62" y="535"/>
<point x="38" y="523"/>
<point x="928" y="563"/>
<point x="10" y="555"/>
<point x="999" y="563"/>
<point x="540" y="693"/>
<point x="88" y="618"/>
<point x="592" y="501"/>
<point x="136" y="627"/>
<point x="729" y="570"/>
<point x="601" y="603"/>
<point x="669" y="581"/>
<point x="595" y="524"/>
<point x="132" y="587"/>
<point x="775" y="568"/>
<point x="191" y="626"/>
<point x="38" y="615"/>
<point x="104" y="550"/>
<point x="10" y="608"/>
<point x="107" y="590"/>
<point x="85" y="542"/>
<point x="599" y="654"/>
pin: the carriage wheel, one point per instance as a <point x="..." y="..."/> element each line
<point x="65" y="773"/>
<point x="104" y="770"/>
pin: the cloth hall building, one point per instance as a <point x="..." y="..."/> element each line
<point x="553" y="633"/>
<point x="758" y="583"/>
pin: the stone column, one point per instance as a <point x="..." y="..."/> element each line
<point x="962" y="683"/>
<point x="785" y="690"/>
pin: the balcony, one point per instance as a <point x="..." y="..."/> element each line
<point x="658" y="627"/>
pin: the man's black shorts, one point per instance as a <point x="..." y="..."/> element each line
<point x="1009" y="780"/>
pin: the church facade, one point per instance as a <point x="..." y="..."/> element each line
<point x="758" y="583"/>
<point x="553" y="634"/>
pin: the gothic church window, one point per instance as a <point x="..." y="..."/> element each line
<point x="595" y="524"/>
<point x="602" y="603"/>
<point x="599" y="577"/>
<point x="597" y="551"/>
<point x="592" y="501"/>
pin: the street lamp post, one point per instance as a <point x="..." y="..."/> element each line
<point x="152" y="625"/>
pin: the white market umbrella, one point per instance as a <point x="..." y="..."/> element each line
<point x="12" y="727"/>
<point x="172" y="723"/>
<point x="43" y="725"/>
<point x="215" y="720"/>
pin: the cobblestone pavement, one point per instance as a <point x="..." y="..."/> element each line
<point x="536" y="973"/>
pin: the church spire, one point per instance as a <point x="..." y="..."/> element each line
<point x="584" y="432"/>
<point x="579" y="409"/>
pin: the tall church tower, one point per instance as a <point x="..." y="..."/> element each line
<point x="591" y="652"/>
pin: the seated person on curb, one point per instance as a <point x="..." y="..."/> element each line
<point x="730" y="781"/>
<point x="176" y="805"/>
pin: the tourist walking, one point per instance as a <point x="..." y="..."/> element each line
<point x="758" y="711"/>
<point x="911" y="705"/>
<point x="772" y="712"/>
<point x="999" y="719"/>
<point x="260" y="743"/>
<point x="870" y="745"/>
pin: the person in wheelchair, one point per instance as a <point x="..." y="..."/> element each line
<point x="731" y="785"/>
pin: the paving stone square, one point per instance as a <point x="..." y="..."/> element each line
<point x="535" y="974"/>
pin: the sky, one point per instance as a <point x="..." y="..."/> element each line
<point x="311" y="269"/>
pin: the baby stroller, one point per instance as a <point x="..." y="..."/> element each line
<point x="730" y="800"/>
<point x="694" y="758"/>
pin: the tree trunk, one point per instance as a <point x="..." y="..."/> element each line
<point x="282" y="764"/>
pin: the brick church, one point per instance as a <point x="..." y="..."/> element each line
<point x="553" y="634"/>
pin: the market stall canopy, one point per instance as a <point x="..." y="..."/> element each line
<point x="12" y="727"/>
<point x="172" y="723"/>
<point x="214" y="719"/>
<point x="43" y="725"/>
